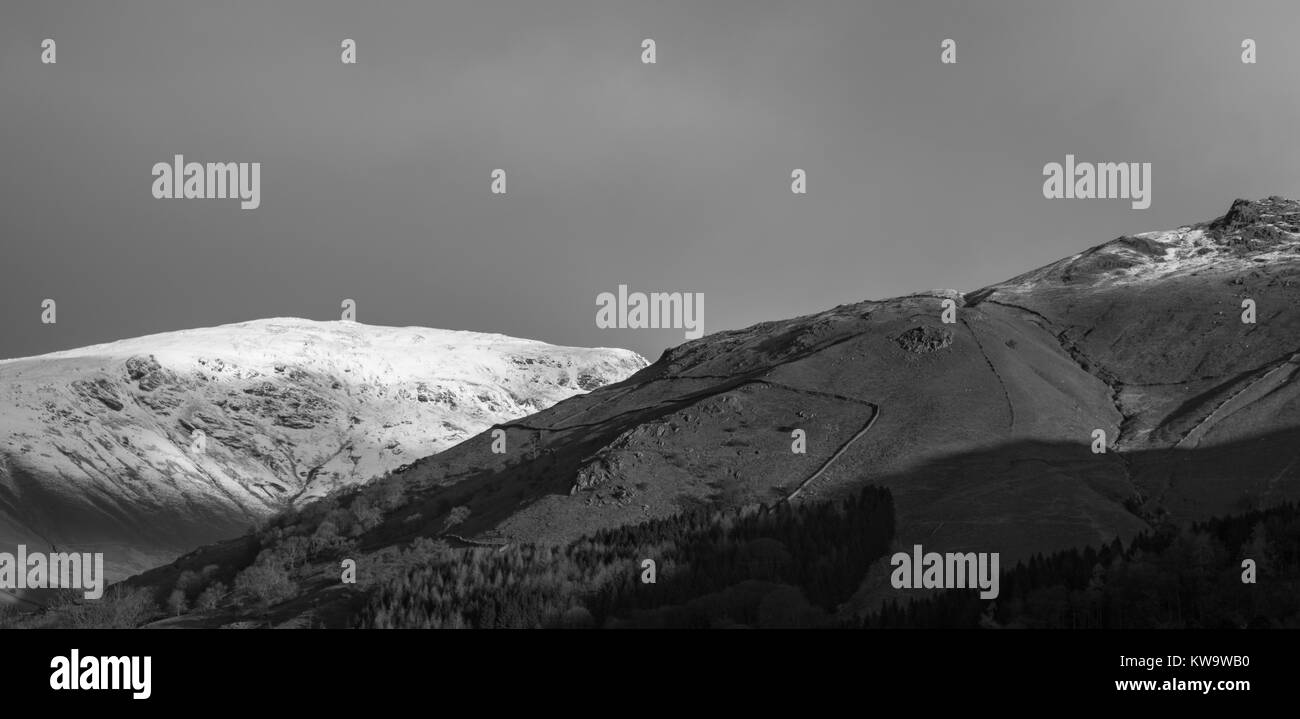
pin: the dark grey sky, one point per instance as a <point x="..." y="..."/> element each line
<point x="675" y="176"/>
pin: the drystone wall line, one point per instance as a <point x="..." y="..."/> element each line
<point x="1011" y="408"/>
<point x="1288" y="362"/>
<point x="736" y="383"/>
<point x="827" y="464"/>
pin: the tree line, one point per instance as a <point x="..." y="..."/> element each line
<point x="764" y="565"/>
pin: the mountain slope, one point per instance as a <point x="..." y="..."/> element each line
<point x="1158" y="316"/>
<point x="97" y="444"/>
<point x="982" y="429"/>
<point x="880" y="389"/>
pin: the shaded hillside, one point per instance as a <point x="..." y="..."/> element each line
<point x="769" y="566"/>
<point x="782" y="565"/>
<point x="290" y="568"/>
<point x="1168" y="580"/>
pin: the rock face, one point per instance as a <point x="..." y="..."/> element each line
<point x="922" y="340"/>
<point x="148" y="447"/>
<point x="982" y="428"/>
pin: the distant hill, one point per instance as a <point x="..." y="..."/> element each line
<point x="97" y="450"/>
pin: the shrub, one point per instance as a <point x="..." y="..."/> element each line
<point x="176" y="603"/>
<point x="211" y="597"/>
<point x="430" y="548"/>
<point x="189" y="583"/>
<point x="265" y="584"/>
<point x="458" y="515"/>
<point x="365" y="516"/>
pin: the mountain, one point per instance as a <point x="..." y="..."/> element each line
<point x="97" y="447"/>
<point x="982" y="429"/>
<point x="1159" y="318"/>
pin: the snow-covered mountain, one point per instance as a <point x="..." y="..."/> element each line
<point x="1250" y="235"/>
<point x="100" y="448"/>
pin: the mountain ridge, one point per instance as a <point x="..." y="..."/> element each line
<point x="103" y="436"/>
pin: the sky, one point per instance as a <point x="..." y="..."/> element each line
<point x="673" y="176"/>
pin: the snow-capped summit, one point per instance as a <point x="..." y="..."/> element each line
<point x="1251" y="233"/>
<point x="146" y="447"/>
